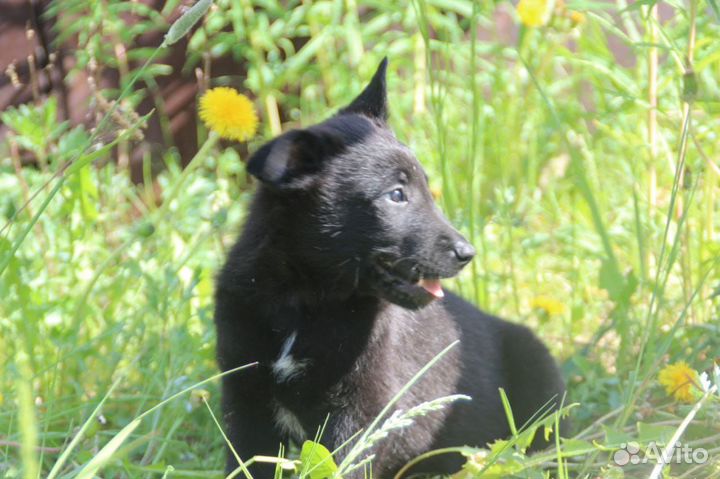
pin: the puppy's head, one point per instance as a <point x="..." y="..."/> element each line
<point x="357" y="213"/>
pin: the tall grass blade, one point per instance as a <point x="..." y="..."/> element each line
<point x="359" y="447"/>
<point x="57" y="467"/>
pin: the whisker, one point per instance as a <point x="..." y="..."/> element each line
<point x="344" y="262"/>
<point x="397" y="261"/>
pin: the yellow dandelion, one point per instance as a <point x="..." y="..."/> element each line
<point x="534" y="13"/>
<point x="229" y="113"/>
<point x="679" y="380"/>
<point x="436" y="192"/>
<point x="198" y="396"/>
<point x="549" y="305"/>
<point x="577" y="18"/>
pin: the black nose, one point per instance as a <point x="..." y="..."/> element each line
<point x="464" y="251"/>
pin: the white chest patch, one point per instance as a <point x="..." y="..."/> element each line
<point x="286" y="367"/>
<point x="288" y="423"/>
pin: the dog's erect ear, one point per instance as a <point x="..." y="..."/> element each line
<point x="373" y="99"/>
<point x="291" y="160"/>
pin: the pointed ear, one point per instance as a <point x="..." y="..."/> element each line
<point x="292" y="160"/>
<point x="372" y="101"/>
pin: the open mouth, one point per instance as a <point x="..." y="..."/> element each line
<point x="411" y="287"/>
<point x="432" y="286"/>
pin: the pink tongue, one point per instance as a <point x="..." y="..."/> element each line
<point x="433" y="287"/>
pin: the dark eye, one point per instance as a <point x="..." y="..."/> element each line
<point x="397" y="196"/>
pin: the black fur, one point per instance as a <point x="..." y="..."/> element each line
<point x="326" y="271"/>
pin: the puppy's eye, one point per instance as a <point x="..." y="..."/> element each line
<point x="397" y="196"/>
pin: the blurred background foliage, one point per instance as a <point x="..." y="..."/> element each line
<point x="576" y="146"/>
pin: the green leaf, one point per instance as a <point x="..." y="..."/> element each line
<point x="615" y="437"/>
<point x="620" y="288"/>
<point x="72" y="143"/>
<point x="317" y="461"/>
<point x="88" y="194"/>
<point x="690" y="87"/>
<point x="654" y="433"/>
<point x="508" y="411"/>
<point x="183" y="24"/>
<point x="33" y="124"/>
<point x="573" y="447"/>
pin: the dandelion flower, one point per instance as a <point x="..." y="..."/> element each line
<point x="534" y="13"/>
<point x="549" y="305"/>
<point x="678" y="380"/>
<point x="198" y="396"/>
<point x="577" y="18"/>
<point x="229" y="113"/>
<point x="436" y="192"/>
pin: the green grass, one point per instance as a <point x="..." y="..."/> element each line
<point x="540" y="147"/>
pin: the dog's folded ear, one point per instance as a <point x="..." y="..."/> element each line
<point x="372" y="101"/>
<point x="292" y="160"/>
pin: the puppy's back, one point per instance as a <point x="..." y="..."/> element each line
<point x="498" y="353"/>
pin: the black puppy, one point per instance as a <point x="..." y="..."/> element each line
<point x="334" y="288"/>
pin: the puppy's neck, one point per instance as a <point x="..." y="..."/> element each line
<point x="281" y="266"/>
